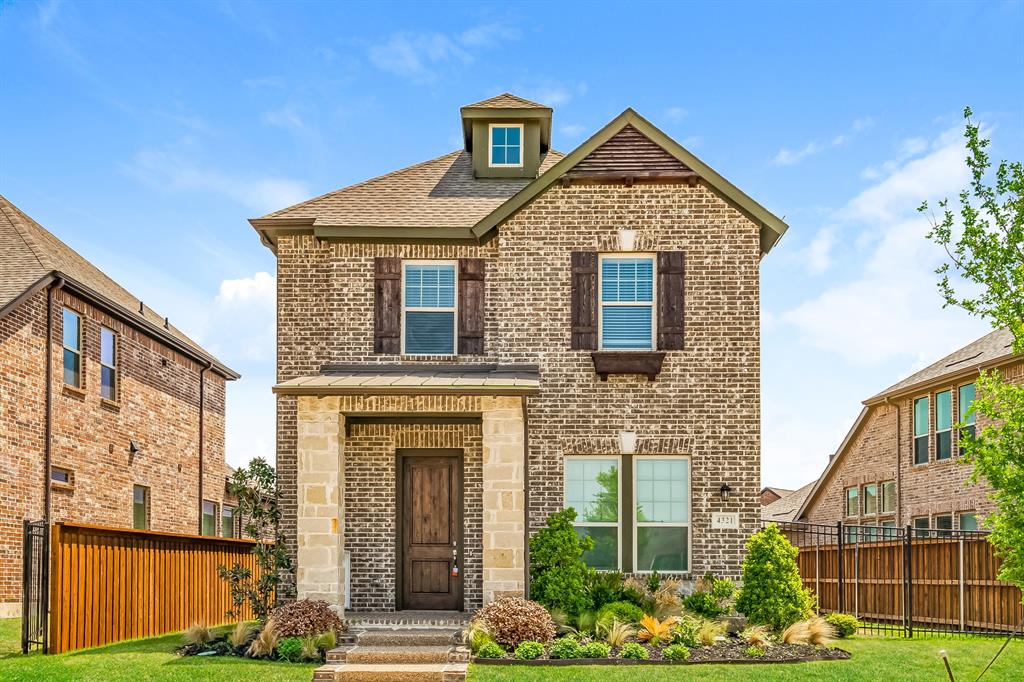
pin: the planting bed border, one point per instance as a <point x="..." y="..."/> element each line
<point x="631" y="661"/>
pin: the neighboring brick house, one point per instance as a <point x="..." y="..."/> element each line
<point x="786" y="503"/>
<point x="474" y="342"/>
<point x="114" y="437"/>
<point x="898" y="464"/>
<point x="770" y="494"/>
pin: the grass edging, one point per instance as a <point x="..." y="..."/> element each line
<point x="555" y="662"/>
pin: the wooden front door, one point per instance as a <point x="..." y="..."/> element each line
<point x="429" y="522"/>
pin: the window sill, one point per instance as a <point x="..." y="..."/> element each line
<point x="74" y="391"/>
<point x="110" y="404"/>
<point x="57" y="486"/>
<point x="628" y="362"/>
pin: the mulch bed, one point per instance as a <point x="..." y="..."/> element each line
<point x="721" y="653"/>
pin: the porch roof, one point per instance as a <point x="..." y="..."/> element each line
<point x="396" y="379"/>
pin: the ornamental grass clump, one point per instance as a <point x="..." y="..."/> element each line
<point x="197" y="634"/>
<point x="616" y="634"/>
<point x="757" y="635"/>
<point x="476" y="635"/>
<point x="266" y="642"/>
<point x="241" y="634"/>
<point x="306" y="617"/>
<point x="710" y="632"/>
<point x="772" y="592"/>
<point x="820" y="632"/>
<point x="513" y="620"/>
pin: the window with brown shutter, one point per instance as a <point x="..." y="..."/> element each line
<point x="670" y="300"/>
<point x="471" y="306"/>
<point x="584" y="300"/>
<point x="387" y="305"/>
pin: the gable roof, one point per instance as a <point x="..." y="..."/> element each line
<point x="33" y="257"/>
<point x="993" y="348"/>
<point x="506" y="100"/>
<point x="781" y="492"/>
<point x="787" y="507"/>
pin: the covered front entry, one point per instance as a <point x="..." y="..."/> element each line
<point x="429" y="522"/>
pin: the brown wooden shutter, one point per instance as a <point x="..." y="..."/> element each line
<point x="387" y="305"/>
<point x="584" y="300"/>
<point x="670" y="300"/>
<point x="471" y="306"/>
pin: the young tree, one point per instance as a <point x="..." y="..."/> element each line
<point x="255" y="487"/>
<point x="988" y="255"/>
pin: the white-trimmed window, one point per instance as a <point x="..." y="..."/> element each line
<point x="851" y="502"/>
<point x="921" y="430"/>
<point x="592" y="488"/>
<point x="209" y="518"/>
<point x="888" y="497"/>
<point x="661" y="530"/>
<point x="968" y="521"/>
<point x="429" y="299"/>
<point x="943" y="425"/>
<point x="627" y="294"/>
<point x="505" y="145"/>
<point x="965" y="400"/>
<point x="108" y="363"/>
<point x="871" y="498"/>
<point x="72" y="341"/>
<point x="227" y="521"/>
<point x="921" y="523"/>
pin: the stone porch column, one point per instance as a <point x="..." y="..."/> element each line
<point x="504" y="455"/>
<point x="321" y="540"/>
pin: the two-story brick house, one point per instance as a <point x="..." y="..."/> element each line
<point x="109" y="415"/>
<point x="471" y="343"/>
<point x="898" y="465"/>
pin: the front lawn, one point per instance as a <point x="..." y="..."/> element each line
<point x="141" y="659"/>
<point x="874" y="658"/>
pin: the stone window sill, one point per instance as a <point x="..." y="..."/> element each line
<point x="110" y="404"/>
<point x="74" y="391"/>
<point x="647" y="363"/>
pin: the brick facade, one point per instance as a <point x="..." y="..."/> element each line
<point x="157" y="407"/>
<point x="705" y="404"/>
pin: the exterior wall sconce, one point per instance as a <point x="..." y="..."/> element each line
<point x="627" y="240"/>
<point x="627" y="442"/>
<point x="724" y="490"/>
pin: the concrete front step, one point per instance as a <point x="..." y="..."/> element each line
<point x="398" y="654"/>
<point x="400" y="672"/>
<point x="404" y="638"/>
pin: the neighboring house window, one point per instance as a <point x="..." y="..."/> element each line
<point x="943" y="425"/>
<point x="592" y="489"/>
<point x="661" y="533"/>
<point x="921" y="523"/>
<point x="965" y="399"/>
<point x="108" y="364"/>
<point x="506" y="145"/>
<point x="921" y="430"/>
<point x="944" y="522"/>
<point x="59" y="475"/>
<point x="888" y="497"/>
<point x="627" y="302"/>
<point x="140" y="507"/>
<point x="890" y="530"/>
<point x="72" y="348"/>
<point x="209" y="517"/>
<point x="227" y="521"/>
<point x="871" y="498"/>
<point x="851" y="501"/>
<point x="851" y="534"/>
<point x="968" y="521"/>
<point x="428" y="309"/>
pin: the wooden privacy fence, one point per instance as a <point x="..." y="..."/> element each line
<point x="112" y="584"/>
<point x="907" y="579"/>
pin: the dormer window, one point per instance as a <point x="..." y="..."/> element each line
<point x="506" y="145"/>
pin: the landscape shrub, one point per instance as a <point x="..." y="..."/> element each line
<point x="513" y="620"/>
<point x="265" y="642"/>
<point x="476" y="635"/>
<point x="722" y="589"/>
<point x="676" y="652"/>
<point x="703" y="604"/>
<point x="606" y="588"/>
<point x="306" y="617"/>
<point x="529" y="650"/>
<point x="687" y="632"/>
<point x="656" y="631"/>
<point x="617" y="633"/>
<point x="310" y="651"/>
<point x="710" y="631"/>
<point x="844" y="624"/>
<point x="622" y="611"/>
<point x="290" y="649"/>
<point x="635" y="651"/>
<point x="757" y="635"/>
<point x="566" y="647"/>
<point x="595" y="650"/>
<point x="558" y="577"/>
<point x="754" y="651"/>
<point x="491" y="649"/>
<point x="772" y="593"/>
<point x="241" y="634"/>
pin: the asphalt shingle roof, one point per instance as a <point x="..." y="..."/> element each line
<point x="506" y="100"/>
<point x="786" y="508"/>
<point x="441" y="192"/>
<point x="31" y="252"/>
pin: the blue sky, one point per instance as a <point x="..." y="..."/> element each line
<point x="144" y="135"/>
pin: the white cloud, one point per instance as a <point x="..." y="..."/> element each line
<point x="571" y="130"/>
<point x="166" y="170"/>
<point x="790" y="157"/>
<point x="246" y="308"/>
<point x="285" y="117"/>
<point x="488" y="34"/>
<point x="418" y="55"/>
<point x="676" y="114"/>
<point x="817" y="255"/>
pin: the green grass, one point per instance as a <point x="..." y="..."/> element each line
<point x="141" y="659"/>
<point x="874" y="658"/>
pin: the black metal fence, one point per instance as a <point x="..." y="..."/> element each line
<point x="902" y="580"/>
<point x="35" y="585"/>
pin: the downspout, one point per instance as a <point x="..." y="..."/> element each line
<point x="526" y="497"/>
<point x="57" y="285"/>
<point x="202" y="413"/>
<point x="899" y="464"/>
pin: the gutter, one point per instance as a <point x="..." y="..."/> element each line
<point x="58" y="284"/>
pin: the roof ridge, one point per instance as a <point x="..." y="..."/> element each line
<point x="279" y="213"/>
<point x="5" y="203"/>
<point x="506" y="94"/>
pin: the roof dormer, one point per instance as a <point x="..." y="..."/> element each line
<point x="506" y="136"/>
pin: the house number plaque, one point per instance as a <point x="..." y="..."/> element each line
<point x="725" y="520"/>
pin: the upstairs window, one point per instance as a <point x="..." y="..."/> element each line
<point x="921" y="430"/>
<point x="140" y="507"/>
<point x="627" y="302"/>
<point x="72" y="348"/>
<point x="943" y="425"/>
<point x="888" y="497"/>
<point x="965" y="400"/>
<point x="506" y="145"/>
<point x="871" y="498"/>
<point x="209" y="518"/>
<point x="851" y="502"/>
<point x="428" y="308"/>
<point x="108" y="364"/>
<point x="227" y="521"/>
